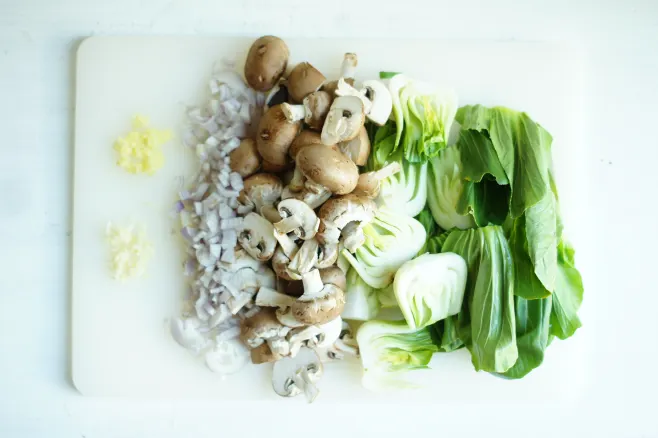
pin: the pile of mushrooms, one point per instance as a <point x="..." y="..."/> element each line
<point x="303" y="201"/>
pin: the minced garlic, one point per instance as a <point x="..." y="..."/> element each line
<point x="140" y="150"/>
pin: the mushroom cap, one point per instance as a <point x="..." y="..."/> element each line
<point x="317" y="106"/>
<point x="256" y="236"/>
<point x="295" y="207"/>
<point x="275" y="134"/>
<point x="266" y="62"/>
<point x="344" y="209"/>
<point x="344" y="121"/>
<point x="245" y="159"/>
<point x="368" y="186"/>
<point x="331" y="86"/>
<point x="382" y="102"/>
<point x="329" y="168"/>
<point x="357" y="149"/>
<point x="263" y="354"/>
<point x="268" y="167"/>
<point x="320" y="310"/>
<point x="261" y="189"/>
<point x="327" y="255"/>
<point x="305" y="138"/>
<point x="303" y="80"/>
<point x="335" y="276"/>
<point x="260" y="326"/>
<point x="294" y="288"/>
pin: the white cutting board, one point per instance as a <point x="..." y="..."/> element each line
<point x="120" y="341"/>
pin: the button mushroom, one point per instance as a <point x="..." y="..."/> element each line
<point x="369" y="183"/>
<point x="268" y="167"/>
<point x="313" y="111"/>
<point x="305" y="138"/>
<point x="275" y="134"/>
<point x="347" y="72"/>
<point x="268" y="297"/>
<point x="333" y="275"/>
<point x="375" y="96"/>
<point x="327" y="255"/>
<point x="313" y="198"/>
<point x="320" y="303"/>
<point x="344" y="121"/>
<point x="337" y="213"/>
<point x="357" y="149"/>
<point x="328" y="168"/>
<point x="266" y="62"/>
<point x="261" y="191"/>
<point x="298" y="218"/>
<point x="318" y="336"/>
<point x="245" y="159"/>
<point x="256" y="236"/>
<point x="305" y="259"/>
<point x="293" y="375"/>
<point x="259" y="328"/>
<point x="280" y="263"/>
<point x="303" y="80"/>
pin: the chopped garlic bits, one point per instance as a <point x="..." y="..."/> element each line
<point x="129" y="251"/>
<point x="140" y="150"/>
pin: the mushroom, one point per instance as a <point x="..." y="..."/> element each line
<point x="256" y="236"/>
<point x="268" y="167"/>
<point x="242" y="286"/>
<point x="245" y="159"/>
<point x="369" y="183"/>
<point x="320" y="303"/>
<point x="305" y="259"/>
<point x="333" y="275"/>
<point x="337" y="213"/>
<point x="260" y="192"/>
<point x="294" y="288"/>
<point x="303" y="80"/>
<point x="305" y="138"/>
<point x="275" y="134"/>
<point x="327" y="255"/>
<point x="280" y="263"/>
<point x="344" y="121"/>
<point x="298" y="218"/>
<point x="287" y="245"/>
<point x="259" y="328"/>
<point x="347" y="72"/>
<point x="266" y="62"/>
<point x="357" y="149"/>
<point x="268" y="297"/>
<point x="315" y="336"/>
<point x="263" y="354"/>
<point x="293" y="375"/>
<point x="313" y="111"/>
<point x="278" y="94"/>
<point x="286" y="318"/>
<point x="326" y="168"/>
<point x="375" y="96"/>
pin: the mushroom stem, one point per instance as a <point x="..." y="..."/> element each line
<point x="287" y="244"/>
<point x="312" y="285"/>
<point x="268" y="297"/>
<point x="348" y="67"/>
<point x="297" y="182"/>
<point x="270" y="213"/>
<point x="353" y="236"/>
<point x="306" y="257"/>
<point x="345" y="89"/>
<point x="288" y="224"/>
<point x="303" y="381"/>
<point x="293" y="112"/>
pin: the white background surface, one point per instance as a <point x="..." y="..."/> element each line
<point x="37" y="43"/>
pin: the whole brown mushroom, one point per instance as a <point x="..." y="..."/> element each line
<point x="306" y="137"/>
<point x="245" y="159"/>
<point x="303" y="80"/>
<point x="357" y="149"/>
<point x="275" y="135"/>
<point x="266" y="62"/>
<point x="328" y="168"/>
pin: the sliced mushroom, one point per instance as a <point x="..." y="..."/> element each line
<point x="260" y="190"/>
<point x="303" y="80"/>
<point x="327" y="168"/>
<point x="266" y="62"/>
<point x="333" y="275"/>
<point x="337" y="213"/>
<point x="275" y="134"/>
<point x="256" y="236"/>
<point x="320" y="303"/>
<point x="357" y="149"/>
<point x="277" y="95"/>
<point x="286" y="318"/>
<point x="263" y="354"/>
<point x="262" y="326"/>
<point x="298" y="218"/>
<point x="268" y="297"/>
<point x="376" y="98"/>
<point x="347" y="72"/>
<point x="369" y="183"/>
<point x="327" y="255"/>
<point x="313" y="111"/>
<point x="280" y="263"/>
<point x="312" y="198"/>
<point x="293" y="375"/>
<point x="305" y="259"/>
<point x="287" y="245"/>
<point x="344" y="121"/>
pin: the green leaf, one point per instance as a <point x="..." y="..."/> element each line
<point x="526" y="283"/>
<point x="387" y="74"/>
<point x="541" y="233"/>
<point x="426" y="219"/>
<point x="522" y="147"/>
<point x="447" y="334"/>
<point x="486" y="201"/>
<point x="532" y="335"/>
<point x="479" y="157"/>
<point x="568" y="294"/>
<point x="490" y="297"/>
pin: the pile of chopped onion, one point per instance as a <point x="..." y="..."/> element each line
<point x="209" y="220"/>
<point x="129" y="251"/>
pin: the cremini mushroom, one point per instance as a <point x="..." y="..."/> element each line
<point x="263" y="354"/>
<point x="327" y="168"/>
<point x="303" y="80"/>
<point x="292" y="376"/>
<point x="311" y="197"/>
<point x="320" y="303"/>
<point x="268" y="167"/>
<point x="256" y="236"/>
<point x="347" y="72"/>
<point x="305" y="259"/>
<point x="261" y="191"/>
<point x="344" y="121"/>
<point x="275" y="135"/>
<point x="277" y="95"/>
<point x="266" y="62"/>
<point x="327" y="255"/>
<point x="280" y="262"/>
<point x="315" y="336"/>
<point x="262" y="326"/>
<point x="333" y="275"/>
<point x="298" y="218"/>
<point x="313" y="111"/>
<point x="369" y="183"/>
<point x="245" y="159"/>
<point x="305" y="138"/>
<point x="337" y="213"/>
<point x="376" y="98"/>
<point x="357" y="149"/>
<point x="268" y="297"/>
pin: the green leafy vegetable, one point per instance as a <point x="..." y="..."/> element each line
<point x="447" y="331"/>
<point x="526" y="283"/>
<point x="430" y="288"/>
<point x="490" y="296"/>
<point x="389" y="349"/>
<point x="568" y="294"/>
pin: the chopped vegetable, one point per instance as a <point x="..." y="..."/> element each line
<point x="361" y="302"/>
<point x="140" y="150"/>
<point x="130" y="251"/>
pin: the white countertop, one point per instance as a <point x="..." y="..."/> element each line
<point x="37" y="46"/>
